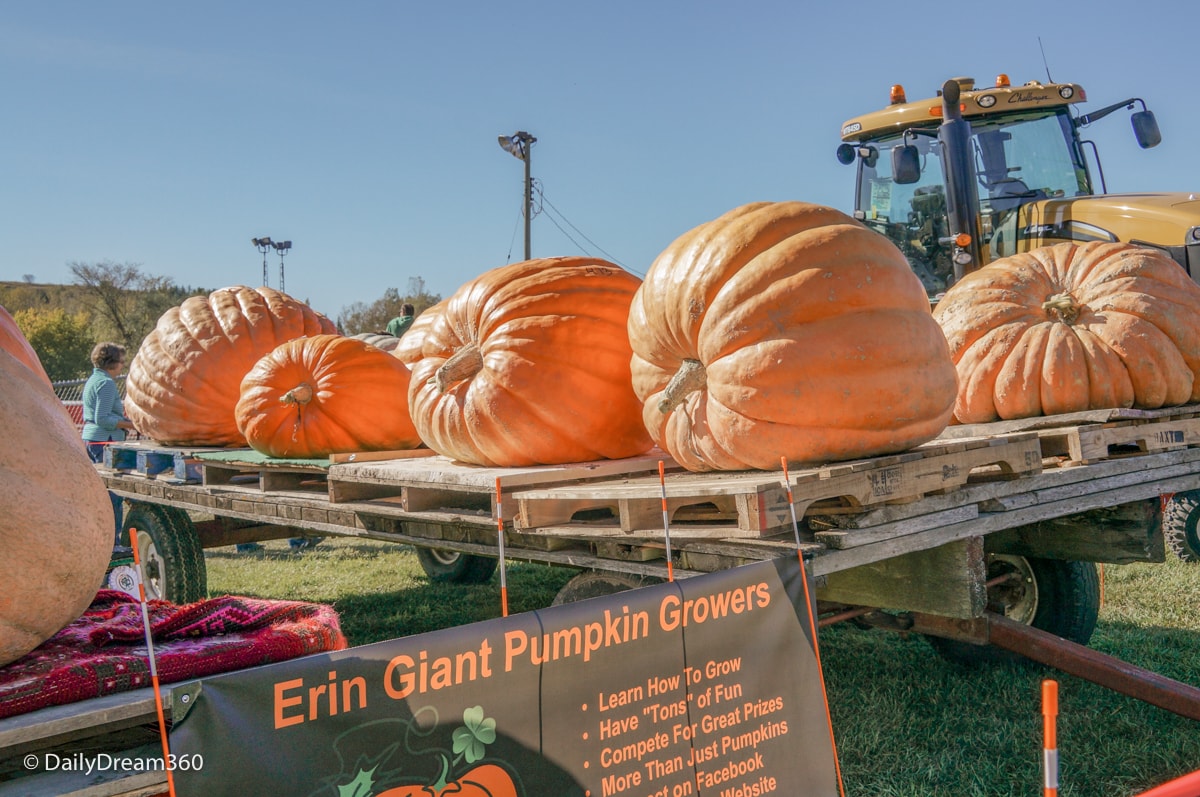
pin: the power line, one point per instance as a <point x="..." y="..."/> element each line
<point x="542" y="198"/>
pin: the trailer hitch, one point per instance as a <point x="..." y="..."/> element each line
<point x="1069" y="657"/>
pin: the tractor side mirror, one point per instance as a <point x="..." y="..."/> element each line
<point x="845" y="154"/>
<point x="906" y="164"/>
<point x="1145" y="129"/>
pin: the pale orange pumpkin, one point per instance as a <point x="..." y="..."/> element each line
<point x="324" y="395"/>
<point x="408" y="349"/>
<point x="56" y="520"/>
<point x="529" y="364"/>
<point x="186" y="378"/>
<point x="1073" y="327"/>
<point x="786" y="330"/>
<point x="13" y="341"/>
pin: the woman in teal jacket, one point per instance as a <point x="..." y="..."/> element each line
<point x="104" y="418"/>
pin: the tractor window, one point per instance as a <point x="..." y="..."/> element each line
<point x="912" y="216"/>
<point x="1023" y="159"/>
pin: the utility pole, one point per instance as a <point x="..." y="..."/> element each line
<point x="519" y="145"/>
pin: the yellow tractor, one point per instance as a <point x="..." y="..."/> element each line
<point x="974" y="174"/>
<point x="978" y="173"/>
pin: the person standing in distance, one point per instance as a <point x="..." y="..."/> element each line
<point x="400" y="324"/>
<point x="104" y="418"/>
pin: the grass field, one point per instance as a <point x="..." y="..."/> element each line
<point x="907" y="723"/>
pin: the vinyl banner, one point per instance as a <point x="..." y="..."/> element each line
<point x="704" y="686"/>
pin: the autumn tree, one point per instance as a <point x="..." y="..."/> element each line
<point x="63" y="341"/>
<point x="360" y="317"/>
<point x="126" y="303"/>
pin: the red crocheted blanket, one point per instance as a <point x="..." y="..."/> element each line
<point x="104" y="651"/>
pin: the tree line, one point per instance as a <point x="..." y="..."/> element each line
<point x="120" y="302"/>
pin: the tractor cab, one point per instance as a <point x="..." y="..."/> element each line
<point x="977" y="174"/>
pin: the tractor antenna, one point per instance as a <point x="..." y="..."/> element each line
<point x="1044" y="61"/>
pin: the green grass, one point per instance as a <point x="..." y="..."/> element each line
<point x="907" y="723"/>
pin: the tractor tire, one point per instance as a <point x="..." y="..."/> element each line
<point x="172" y="560"/>
<point x="1053" y="595"/>
<point x="1180" y="523"/>
<point x="452" y="567"/>
<point x="595" y="583"/>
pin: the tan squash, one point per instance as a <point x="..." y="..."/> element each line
<point x="56" y="521"/>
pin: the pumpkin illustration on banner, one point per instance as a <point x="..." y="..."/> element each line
<point x="786" y="330"/>
<point x="529" y="364"/>
<point x="56" y="520"/>
<point x="185" y="380"/>
<point x="1073" y="327"/>
<point x="323" y="395"/>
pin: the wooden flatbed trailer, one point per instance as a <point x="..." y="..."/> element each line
<point x="969" y="539"/>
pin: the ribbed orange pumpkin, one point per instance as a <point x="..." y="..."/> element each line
<point x="13" y="341"/>
<point x="786" y="330"/>
<point x="529" y="364"/>
<point x="324" y="395"/>
<point x="56" y="521"/>
<point x="187" y="375"/>
<point x="1073" y="327"/>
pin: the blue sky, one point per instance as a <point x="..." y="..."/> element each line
<point x="169" y="134"/>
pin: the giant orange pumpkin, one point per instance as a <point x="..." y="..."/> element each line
<point x="529" y="364"/>
<point x="186" y="378"/>
<point x="1073" y="327"/>
<point x="56" y="520"/>
<point x="411" y="342"/>
<point x="786" y="330"/>
<point x="323" y="395"/>
<point x="13" y="341"/>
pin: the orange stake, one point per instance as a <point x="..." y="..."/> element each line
<point x="1049" y="737"/>
<point x="158" y="706"/>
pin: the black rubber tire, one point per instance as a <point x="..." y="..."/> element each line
<point x="172" y="559"/>
<point x="452" y="567"/>
<point x="1180" y="523"/>
<point x="595" y="583"/>
<point x="1057" y="596"/>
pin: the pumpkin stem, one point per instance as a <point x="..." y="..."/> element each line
<point x="1063" y="307"/>
<point x="441" y="781"/>
<point x="301" y="394"/>
<point x="464" y="364"/>
<point x="690" y="377"/>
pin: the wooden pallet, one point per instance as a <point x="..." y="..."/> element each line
<point x="247" y="469"/>
<point x="755" y="503"/>
<point x="1096" y="442"/>
<point x="155" y="462"/>
<point x="437" y="483"/>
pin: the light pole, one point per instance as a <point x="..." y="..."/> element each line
<point x="518" y="145"/>
<point x="264" y="246"/>
<point x="282" y="248"/>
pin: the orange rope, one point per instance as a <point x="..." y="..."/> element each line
<point x="812" y="625"/>
<point x="500" y="537"/>
<point x="662" y="483"/>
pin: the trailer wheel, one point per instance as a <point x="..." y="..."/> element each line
<point x="1057" y="596"/>
<point x="1180" y="523"/>
<point x="452" y="567"/>
<point x="595" y="583"/>
<point x="170" y="552"/>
